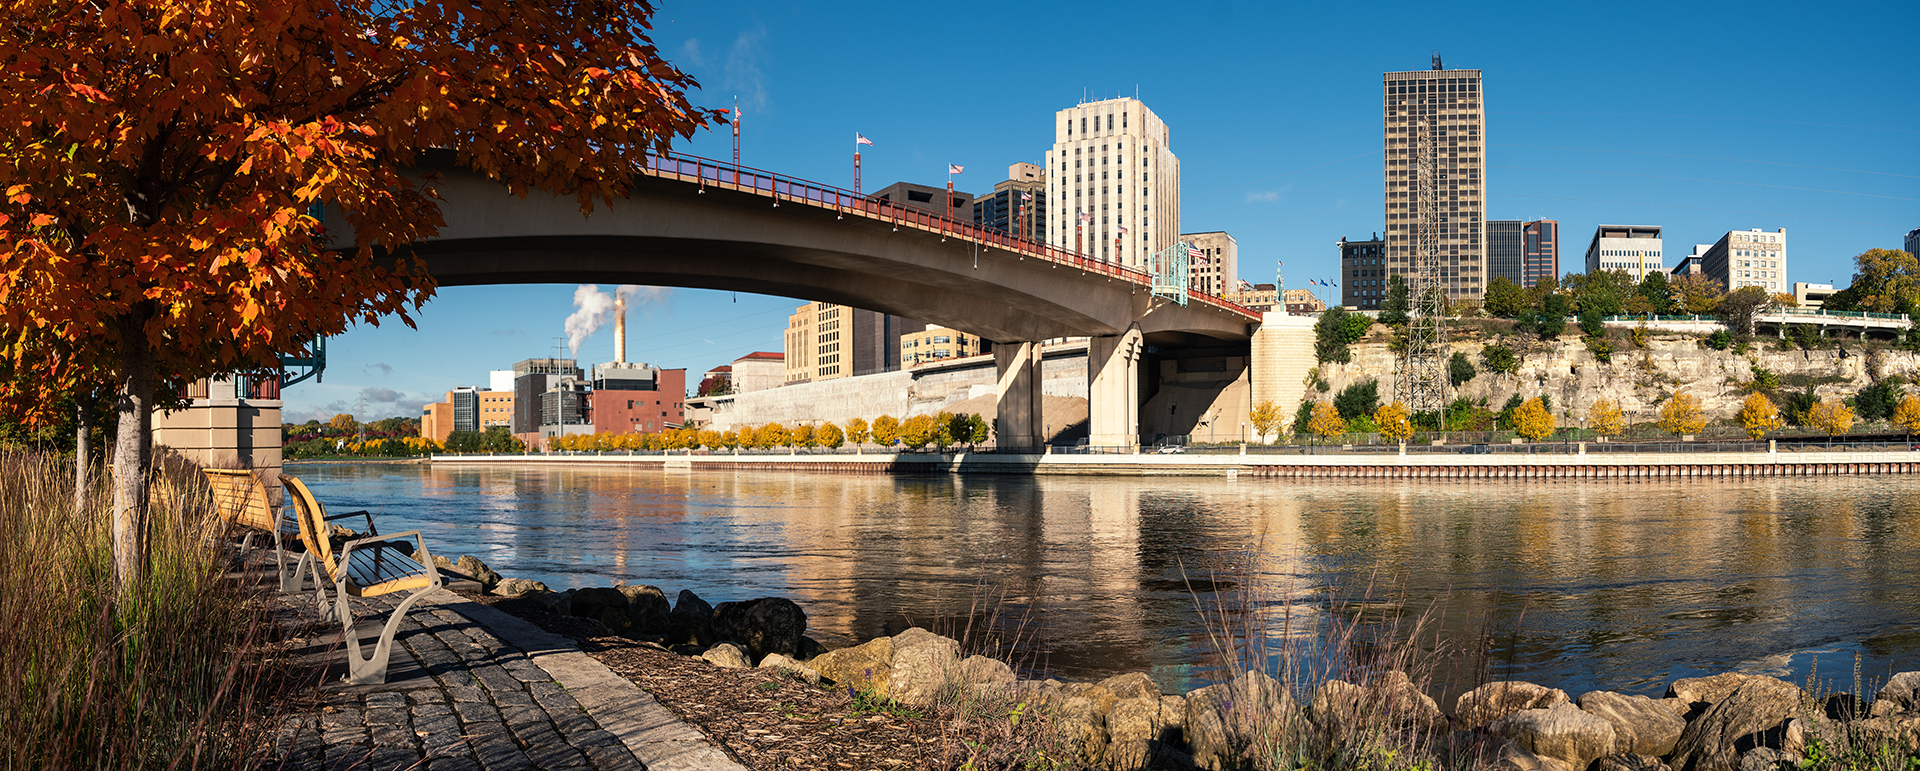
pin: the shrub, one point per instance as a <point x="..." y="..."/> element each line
<point x="1357" y="400"/>
<point x="1601" y="349"/>
<point x="1877" y="401"/>
<point x="1460" y="369"/>
<point x="1719" y="340"/>
<point x="1499" y="358"/>
<point x="1765" y="380"/>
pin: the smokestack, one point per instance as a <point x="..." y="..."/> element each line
<point x="619" y="330"/>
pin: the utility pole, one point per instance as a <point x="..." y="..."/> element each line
<point x="1422" y="384"/>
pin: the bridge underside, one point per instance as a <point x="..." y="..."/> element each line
<point x="683" y="234"/>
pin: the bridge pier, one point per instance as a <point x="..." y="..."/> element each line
<point x="1017" y="396"/>
<point x="1113" y="389"/>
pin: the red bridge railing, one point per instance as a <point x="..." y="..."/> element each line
<point x="783" y="188"/>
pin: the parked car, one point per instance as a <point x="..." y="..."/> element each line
<point x="1476" y="449"/>
<point x="1171" y="449"/>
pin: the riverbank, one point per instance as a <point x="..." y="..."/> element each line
<point x="1544" y="462"/>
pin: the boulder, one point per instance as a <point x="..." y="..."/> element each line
<point x="603" y="604"/>
<point x="980" y="672"/>
<point x="1493" y="701"/>
<point x="795" y="668"/>
<point x="472" y="566"/>
<point x="1627" y="761"/>
<point x="1641" y="725"/>
<point x="691" y="620"/>
<point x="1802" y="731"/>
<point x="727" y="655"/>
<point x="647" y="609"/>
<point x="923" y="664"/>
<point x="1222" y="720"/>
<point x="514" y="587"/>
<point x="1132" y="685"/>
<point x="1337" y="705"/>
<point x="1766" y="759"/>
<point x="1699" y="693"/>
<point x="1082" y="725"/>
<point x="1900" y="694"/>
<point x="810" y="648"/>
<point x="1514" y="757"/>
<point x="1754" y="714"/>
<point x="765" y="625"/>
<point x="1390" y="700"/>
<point x="1901" y="732"/>
<point x="1137" y="733"/>
<point x="1563" y="733"/>
<point x="867" y="666"/>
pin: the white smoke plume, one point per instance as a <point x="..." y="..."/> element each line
<point x="594" y="308"/>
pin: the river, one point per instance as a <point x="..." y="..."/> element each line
<point x="1578" y="585"/>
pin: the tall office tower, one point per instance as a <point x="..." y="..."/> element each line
<point x="1507" y="250"/>
<point x="1219" y="265"/>
<point x="801" y="344"/>
<point x="1111" y="161"/>
<point x="1913" y="241"/>
<point x="1749" y="258"/>
<point x="1363" y="273"/>
<point x="1633" y="248"/>
<point x="826" y="341"/>
<point x="1541" y="259"/>
<point x="1448" y="103"/>
<point x="1018" y="205"/>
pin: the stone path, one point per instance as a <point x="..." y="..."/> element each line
<point x="470" y="687"/>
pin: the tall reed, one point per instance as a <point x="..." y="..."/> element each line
<point x="174" y="676"/>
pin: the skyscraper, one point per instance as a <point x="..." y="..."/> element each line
<point x="1541" y="259"/>
<point x="1111" y="161"/>
<point x="1506" y="250"/>
<point x="1449" y="103"/>
<point x="1018" y="205"/>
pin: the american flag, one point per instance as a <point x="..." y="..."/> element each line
<point x="954" y="168"/>
<point x="1194" y="253"/>
<point x="1085" y="216"/>
<point x="860" y="139"/>
<point x="1026" y="196"/>
<point x="1123" y="230"/>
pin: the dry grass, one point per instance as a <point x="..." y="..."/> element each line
<point x="173" y="677"/>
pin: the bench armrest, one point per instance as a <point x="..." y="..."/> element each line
<point x="360" y="513"/>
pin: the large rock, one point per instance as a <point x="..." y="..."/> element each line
<point x="1901" y="732"/>
<point x="1389" y="700"/>
<point x="1081" y="723"/>
<point x="1699" y="693"/>
<point x="1513" y="757"/>
<point x="1752" y="715"/>
<point x="1627" y="761"/>
<point x="472" y="566"/>
<point x="603" y="604"/>
<point x="795" y="668"/>
<point x="514" y="587"/>
<point x="923" y="664"/>
<point x="1132" y="685"/>
<point x="1766" y="759"/>
<point x="1642" y="726"/>
<point x="691" y="620"/>
<point x="977" y="673"/>
<point x="867" y="666"/>
<point x="1900" y="694"/>
<point x="1562" y="732"/>
<point x="727" y="655"/>
<point x="762" y="626"/>
<point x="1221" y="721"/>
<point x="1493" y="701"/>
<point x="647" y="609"/>
<point x="1138" y="734"/>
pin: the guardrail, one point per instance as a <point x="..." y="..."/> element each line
<point x="783" y="188"/>
<point x="1808" y="313"/>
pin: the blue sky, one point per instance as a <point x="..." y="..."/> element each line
<point x="1698" y="117"/>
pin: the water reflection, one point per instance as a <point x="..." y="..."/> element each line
<point x="1582" y="585"/>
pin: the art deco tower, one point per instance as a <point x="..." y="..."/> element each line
<point x="1449" y="105"/>
<point x="1110" y="159"/>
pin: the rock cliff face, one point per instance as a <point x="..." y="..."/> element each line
<point x="1639" y="380"/>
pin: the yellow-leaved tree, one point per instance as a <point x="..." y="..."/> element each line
<point x="1831" y="416"/>
<point x="1266" y="419"/>
<point x="829" y="435"/>
<point x="1758" y="416"/>
<point x="886" y="430"/>
<point x="1682" y="415"/>
<point x="1907" y="415"/>
<point x="857" y="430"/>
<point x="1326" y="420"/>
<point x="1605" y="418"/>
<point x="1394" y="421"/>
<point x="800" y="435"/>
<point x="163" y="159"/>
<point x="1532" y="420"/>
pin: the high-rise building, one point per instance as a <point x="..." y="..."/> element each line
<point x="1111" y="162"/>
<point x="1363" y="273"/>
<point x="1633" y="248"/>
<point x="1507" y="250"/>
<point x="826" y="341"/>
<point x="1540" y="257"/>
<point x="1449" y="103"/>
<point x="1018" y="205"/>
<point x="1913" y="241"/>
<point x="1219" y="265"/>
<point x="1749" y="258"/>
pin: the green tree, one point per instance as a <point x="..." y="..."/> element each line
<point x="1738" y="309"/>
<point x="500" y="439"/>
<point x="1358" y="400"/>
<point x="1356" y="326"/>
<point x="1393" y="309"/>
<point x="1330" y="336"/>
<point x="1554" y="310"/>
<point x="1604" y="291"/>
<point x="1877" y="401"/>
<point x="1303" y="418"/>
<point x="1460" y="369"/>
<point x="1886" y="280"/>
<point x="1658" y="295"/>
<point x="1499" y="358"/>
<point x="1797" y="405"/>
<point x="1504" y="298"/>
<point x="1591" y="324"/>
<point x="463" y="441"/>
<point x="1504" y="420"/>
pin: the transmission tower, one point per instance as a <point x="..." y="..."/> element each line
<point x="1422" y="384"/>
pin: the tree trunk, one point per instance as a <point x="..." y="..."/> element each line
<point x="82" y="452"/>
<point x="132" y="450"/>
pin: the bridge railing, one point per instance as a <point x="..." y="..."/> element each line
<point x="781" y="187"/>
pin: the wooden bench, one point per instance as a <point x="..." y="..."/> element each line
<point x="370" y="566"/>
<point x="245" y="502"/>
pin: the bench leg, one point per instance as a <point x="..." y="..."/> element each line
<point x="372" y="670"/>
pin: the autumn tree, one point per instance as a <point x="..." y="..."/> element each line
<point x="1907" y="415"/>
<point x="1695" y="293"/>
<point x="830" y="436"/>
<point x="800" y="435"/>
<point x="1326" y="420"/>
<point x="1532" y="420"/>
<point x="886" y="430"/>
<point x="1831" y="416"/>
<point x="857" y="430"/>
<point x="1266" y="418"/>
<point x="1682" y="415"/>
<point x="1394" y="422"/>
<point x="1886" y="280"/>
<point x="1738" y="309"/>
<point x="1758" y="415"/>
<point x="1605" y="418"/>
<point x="163" y="159"/>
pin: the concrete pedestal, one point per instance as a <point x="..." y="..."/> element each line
<point x="1017" y="395"/>
<point x="1113" y="389"/>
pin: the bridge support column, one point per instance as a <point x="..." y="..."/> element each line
<point x="1017" y="395"/>
<point x="1113" y="389"/>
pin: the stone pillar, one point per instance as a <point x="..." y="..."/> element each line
<point x="1113" y="389"/>
<point x="1017" y="395"/>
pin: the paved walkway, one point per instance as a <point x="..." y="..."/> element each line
<point x="470" y="687"/>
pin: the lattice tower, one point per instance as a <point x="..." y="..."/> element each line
<point x="1422" y="384"/>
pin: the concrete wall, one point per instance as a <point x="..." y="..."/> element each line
<point x="1282" y="354"/>
<point x="225" y="433"/>
<point x="920" y="391"/>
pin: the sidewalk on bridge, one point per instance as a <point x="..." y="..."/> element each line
<point x="471" y="687"/>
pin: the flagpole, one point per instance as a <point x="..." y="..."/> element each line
<point x="856" y="163"/>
